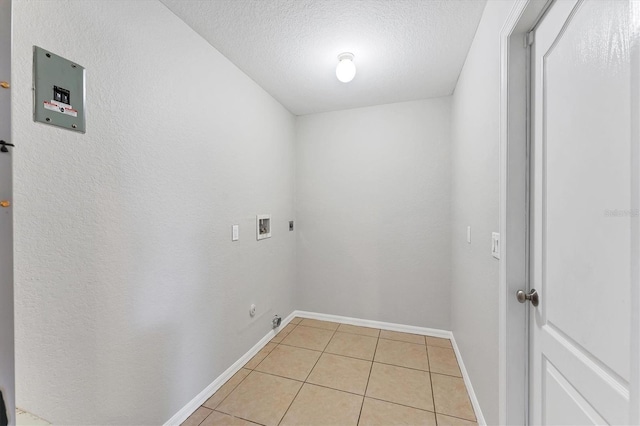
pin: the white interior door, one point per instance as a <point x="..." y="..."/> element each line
<point x="580" y="351"/>
<point x="6" y="229"/>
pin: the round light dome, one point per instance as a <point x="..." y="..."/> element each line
<point x="346" y="69"/>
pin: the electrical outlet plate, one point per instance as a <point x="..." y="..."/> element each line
<point x="495" y="245"/>
<point x="263" y="226"/>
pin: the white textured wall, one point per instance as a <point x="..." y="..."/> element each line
<point x="475" y="198"/>
<point x="7" y="375"/>
<point x="373" y="211"/>
<point x="130" y="296"/>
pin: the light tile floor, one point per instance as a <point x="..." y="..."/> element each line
<point x="324" y="373"/>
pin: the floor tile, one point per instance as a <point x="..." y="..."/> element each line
<point x="262" y="354"/>
<point x="197" y="417"/>
<point x="443" y="361"/>
<point x="438" y="341"/>
<point x="261" y="398"/>
<point x="403" y="354"/>
<point x="290" y="362"/>
<point x="400" y="385"/>
<point x="354" y="329"/>
<point x="382" y="413"/>
<point x="342" y="373"/>
<point x="453" y="421"/>
<point x="226" y="389"/>
<point x="220" y="419"/>
<point x="316" y="405"/>
<point x="308" y="337"/>
<point x="402" y="337"/>
<point x="397" y="386"/>
<point x="283" y="333"/>
<point x="353" y="345"/>
<point x="327" y="325"/>
<point x="451" y="398"/>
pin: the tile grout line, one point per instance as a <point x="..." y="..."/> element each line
<point x="305" y="380"/>
<point x="409" y="406"/>
<point x="236" y="386"/>
<point x="450" y="415"/>
<point x="329" y="353"/>
<point x="334" y="389"/>
<point x="265" y="357"/>
<point x="368" y="377"/>
<point x="323" y="352"/>
<point x="403" y="366"/>
<point x="205" y="417"/>
<point x="457" y="417"/>
<point x="223" y="399"/>
<point x="433" y="395"/>
<point x="403" y="341"/>
<point x="284" y="337"/>
<point x="236" y="417"/>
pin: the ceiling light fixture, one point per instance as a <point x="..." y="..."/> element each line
<point x="346" y="69"/>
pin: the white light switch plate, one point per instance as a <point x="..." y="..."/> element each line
<point x="469" y="234"/>
<point x="235" y="232"/>
<point x="495" y="244"/>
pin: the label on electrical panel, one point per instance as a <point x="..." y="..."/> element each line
<point x="65" y="109"/>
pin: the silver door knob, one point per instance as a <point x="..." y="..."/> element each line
<point x="532" y="296"/>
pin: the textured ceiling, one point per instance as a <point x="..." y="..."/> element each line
<point x="404" y="49"/>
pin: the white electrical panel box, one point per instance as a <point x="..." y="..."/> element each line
<point x="263" y="226"/>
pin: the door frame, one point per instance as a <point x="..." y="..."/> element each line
<point x="514" y="120"/>
<point x="634" y="47"/>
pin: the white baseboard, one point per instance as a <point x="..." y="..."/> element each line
<point x="26" y="418"/>
<point x="433" y="332"/>
<point x="196" y="402"/>
<point x="467" y="381"/>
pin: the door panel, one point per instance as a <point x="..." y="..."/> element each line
<point x="580" y="352"/>
<point x="568" y="407"/>
<point x="587" y="173"/>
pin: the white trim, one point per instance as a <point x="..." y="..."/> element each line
<point x="513" y="211"/>
<point x="26" y="418"/>
<point x="432" y="332"/>
<point x="506" y="32"/>
<point x="635" y="203"/>
<point x="196" y="402"/>
<point x="467" y="381"/>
